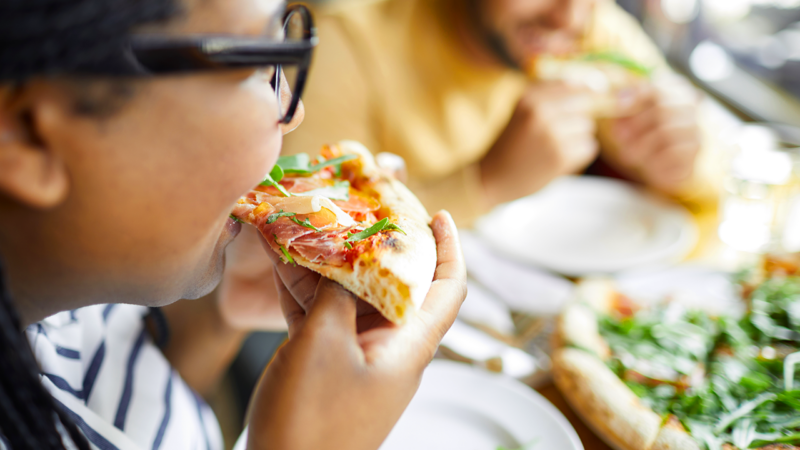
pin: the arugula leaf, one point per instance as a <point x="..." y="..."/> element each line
<point x="375" y="228"/>
<point x="620" y="60"/>
<point x="236" y="218"/>
<point x="304" y="223"/>
<point x="300" y="164"/>
<point x="333" y="162"/>
<point x="378" y="226"/>
<point x="788" y="370"/>
<point x="285" y="252"/>
<point x="743" y="433"/>
<point x="296" y="164"/>
<point x="790" y="439"/>
<point x="273" y="217"/>
<point x="348" y="245"/>
<point x="276" y="173"/>
<point x="269" y="181"/>
<point x="742" y="410"/>
<point x="391" y="226"/>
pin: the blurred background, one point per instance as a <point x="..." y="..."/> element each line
<point x="744" y="53"/>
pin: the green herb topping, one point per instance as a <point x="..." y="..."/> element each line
<point x="380" y="225"/>
<point x="273" y="217"/>
<point x="304" y="223"/>
<point x="300" y="164"/>
<point x="285" y="252"/>
<point x="727" y="380"/>
<point x="620" y="60"/>
<point x="236" y="218"/>
<point x="269" y="181"/>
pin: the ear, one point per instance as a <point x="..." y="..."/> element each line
<point x="31" y="173"/>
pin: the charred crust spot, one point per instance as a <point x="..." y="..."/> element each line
<point x="395" y="244"/>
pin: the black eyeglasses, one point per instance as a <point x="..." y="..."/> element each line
<point x="148" y="55"/>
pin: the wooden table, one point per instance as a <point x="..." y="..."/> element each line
<point x="589" y="439"/>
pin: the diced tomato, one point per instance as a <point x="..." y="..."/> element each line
<point x="359" y="206"/>
<point x="323" y="218"/>
<point x="624" y="306"/>
<point x="329" y="152"/>
<point x="271" y="190"/>
<point x="263" y="208"/>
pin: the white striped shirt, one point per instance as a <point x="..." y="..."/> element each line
<point x="100" y="363"/>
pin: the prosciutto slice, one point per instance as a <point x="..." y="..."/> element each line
<point x="321" y="248"/>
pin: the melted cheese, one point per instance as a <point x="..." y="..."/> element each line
<point x="312" y="204"/>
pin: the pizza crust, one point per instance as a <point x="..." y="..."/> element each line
<point x="577" y="327"/>
<point x="397" y="281"/>
<point x="604" y="401"/>
<point x="673" y="436"/>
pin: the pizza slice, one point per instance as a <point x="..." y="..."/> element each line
<point x="605" y="73"/>
<point x="341" y="216"/>
<point x="667" y="377"/>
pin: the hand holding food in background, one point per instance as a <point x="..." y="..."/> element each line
<point x="346" y="374"/>
<point x="551" y="133"/>
<point x="658" y="138"/>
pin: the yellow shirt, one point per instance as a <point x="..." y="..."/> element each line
<point x="393" y="75"/>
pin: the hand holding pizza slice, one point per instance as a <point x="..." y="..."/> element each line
<point x="340" y="216"/>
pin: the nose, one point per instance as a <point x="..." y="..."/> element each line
<point x="299" y="114"/>
<point x="569" y="14"/>
<point x="286" y="99"/>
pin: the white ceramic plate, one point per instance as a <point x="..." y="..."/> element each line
<point x="590" y="225"/>
<point x="692" y="286"/>
<point x="459" y="407"/>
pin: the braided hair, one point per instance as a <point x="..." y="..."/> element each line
<point x="50" y="38"/>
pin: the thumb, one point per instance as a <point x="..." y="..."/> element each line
<point x="333" y="312"/>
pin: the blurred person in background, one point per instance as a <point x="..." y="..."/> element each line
<point x="120" y="161"/>
<point x="440" y="83"/>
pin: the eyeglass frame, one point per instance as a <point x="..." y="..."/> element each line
<point x="152" y="55"/>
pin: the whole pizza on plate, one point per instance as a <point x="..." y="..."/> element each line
<point x="671" y="377"/>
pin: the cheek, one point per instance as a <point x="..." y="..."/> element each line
<point x="169" y="172"/>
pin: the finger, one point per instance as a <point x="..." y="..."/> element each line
<point x="559" y="98"/>
<point x="449" y="287"/>
<point x="577" y="103"/>
<point x="300" y="282"/>
<point x="633" y="99"/>
<point x="292" y="311"/>
<point x="580" y="152"/>
<point x="673" y="165"/>
<point x="333" y="314"/>
<point x="641" y="150"/>
<point x="576" y="125"/>
<point x="655" y="116"/>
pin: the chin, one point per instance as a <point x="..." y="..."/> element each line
<point x="206" y="281"/>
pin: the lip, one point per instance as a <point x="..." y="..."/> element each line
<point x="232" y="228"/>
